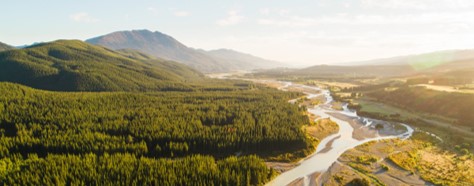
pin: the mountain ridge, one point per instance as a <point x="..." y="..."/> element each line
<point x="159" y="45"/>
<point x="164" y="46"/>
<point x="73" y="65"/>
<point x="426" y="63"/>
<point x="249" y="61"/>
<point x="4" y="46"/>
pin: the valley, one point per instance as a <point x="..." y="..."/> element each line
<point x="432" y="149"/>
<point x="99" y="106"/>
<point x="237" y="93"/>
<point x="351" y="131"/>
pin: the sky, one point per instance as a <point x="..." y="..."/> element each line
<point x="298" y="32"/>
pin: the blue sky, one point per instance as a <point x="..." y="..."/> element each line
<point x="302" y="32"/>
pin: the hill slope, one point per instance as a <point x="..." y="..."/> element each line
<point x="4" y="47"/>
<point x="242" y="61"/>
<point x="364" y="71"/>
<point x="426" y="60"/>
<point x="440" y="62"/>
<point x="77" y="66"/>
<point x="158" y="45"/>
<point x="166" y="47"/>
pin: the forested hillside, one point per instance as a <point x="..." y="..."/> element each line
<point x="101" y="138"/>
<point x="452" y="105"/>
<point x="77" y="66"/>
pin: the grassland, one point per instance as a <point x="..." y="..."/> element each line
<point x="321" y="129"/>
<point x="446" y="88"/>
<point x="405" y="162"/>
<point x="438" y="125"/>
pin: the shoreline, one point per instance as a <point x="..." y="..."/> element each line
<point x="360" y="133"/>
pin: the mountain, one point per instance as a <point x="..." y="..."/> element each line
<point x="425" y="60"/>
<point x="159" y="45"/>
<point x="242" y="61"/>
<point x="4" y="47"/>
<point x="356" y="71"/>
<point x="72" y="65"/>
<point x="440" y="62"/>
<point x="166" y="47"/>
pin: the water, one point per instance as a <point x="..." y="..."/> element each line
<point x="321" y="160"/>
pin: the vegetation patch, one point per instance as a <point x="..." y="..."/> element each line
<point x="172" y="137"/>
<point x="406" y="160"/>
<point x="128" y="169"/>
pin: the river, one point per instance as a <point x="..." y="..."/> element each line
<point x="333" y="146"/>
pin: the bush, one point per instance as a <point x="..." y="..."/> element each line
<point x="359" y="182"/>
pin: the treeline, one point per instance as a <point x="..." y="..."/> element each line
<point x="50" y="137"/>
<point x="127" y="169"/>
<point x="148" y="124"/>
<point x="454" y="105"/>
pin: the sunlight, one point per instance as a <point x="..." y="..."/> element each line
<point x="428" y="61"/>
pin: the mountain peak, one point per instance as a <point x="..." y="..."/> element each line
<point x="159" y="45"/>
<point x="127" y="39"/>
<point x="164" y="46"/>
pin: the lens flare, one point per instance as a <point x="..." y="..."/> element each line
<point x="428" y="61"/>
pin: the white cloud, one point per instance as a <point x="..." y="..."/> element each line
<point x="83" y="17"/>
<point x="232" y="18"/>
<point x="181" y="13"/>
<point x="283" y="11"/>
<point x="372" y="19"/>
<point x="293" y="21"/>
<point x="407" y="19"/>
<point x="277" y="11"/>
<point x="151" y="9"/>
<point x="265" y="11"/>
<point x="419" y="4"/>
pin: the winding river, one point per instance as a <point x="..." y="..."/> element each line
<point x="333" y="146"/>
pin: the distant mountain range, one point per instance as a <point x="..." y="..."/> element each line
<point x="72" y="65"/>
<point x="166" y="47"/>
<point x="161" y="47"/>
<point x="242" y="61"/>
<point x="441" y="62"/>
<point x="424" y="61"/>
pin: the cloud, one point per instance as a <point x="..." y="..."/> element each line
<point x="370" y="19"/>
<point x="346" y="5"/>
<point x="265" y="11"/>
<point x="151" y="9"/>
<point x="419" y="4"/>
<point x="232" y="18"/>
<point x="407" y="19"/>
<point x="292" y="21"/>
<point x="181" y="13"/>
<point x="277" y="11"/>
<point x="83" y="17"/>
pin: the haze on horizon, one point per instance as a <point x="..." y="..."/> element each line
<point x="303" y="32"/>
